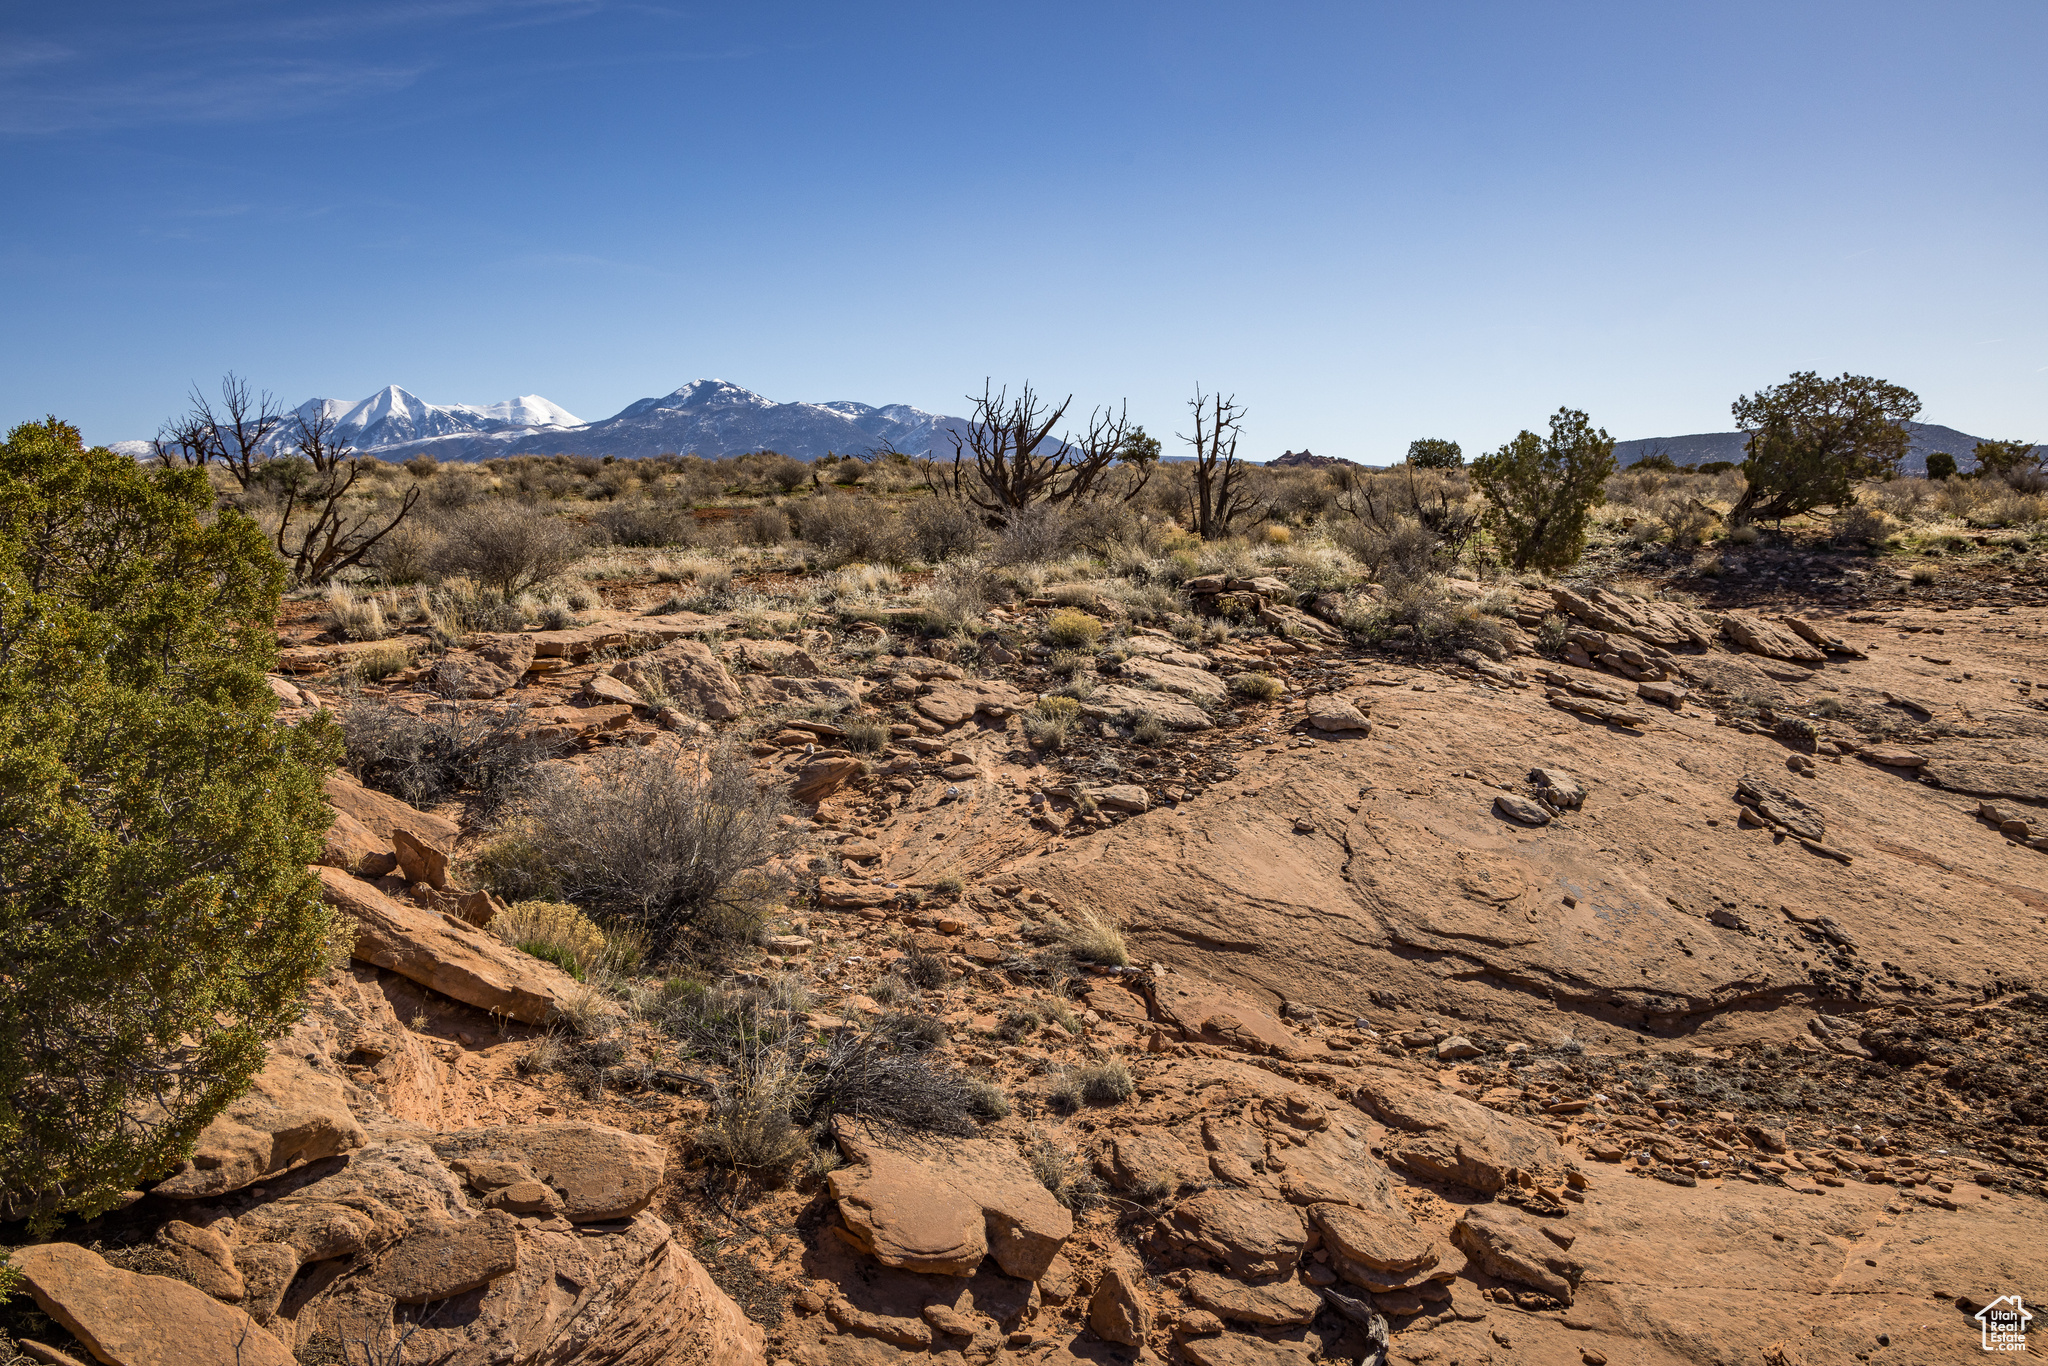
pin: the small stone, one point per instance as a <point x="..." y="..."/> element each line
<point x="1118" y="1311"/>
<point x="1455" y="1047"/>
<point x="1520" y="809"/>
<point x="950" y="1321"/>
<point x="1558" y="788"/>
<point x="1338" y="716"/>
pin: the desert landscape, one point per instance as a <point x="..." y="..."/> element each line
<point x="797" y="913"/>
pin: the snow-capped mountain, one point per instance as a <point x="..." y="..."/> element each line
<point x="707" y="417"/>
<point x="392" y="417"/>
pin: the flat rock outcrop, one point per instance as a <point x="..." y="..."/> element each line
<point x="134" y="1320"/>
<point x="597" y="1174"/>
<point x="687" y="672"/>
<point x="445" y="953"/>
<point x="294" y="1112"/>
<point x="1446" y="1137"/>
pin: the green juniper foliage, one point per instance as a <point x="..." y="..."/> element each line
<point x="1811" y="440"/>
<point x="1540" y="492"/>
<point x="2001" y="459"/>
<point x="1435" y="453"/>
<point x="157" y="922"/>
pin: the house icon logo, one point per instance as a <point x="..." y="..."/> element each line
<point x="2004" y="1322"/>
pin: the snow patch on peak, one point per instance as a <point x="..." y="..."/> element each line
<point x="393" y="416"/>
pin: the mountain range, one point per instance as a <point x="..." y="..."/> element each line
<point x="713" y="418"/>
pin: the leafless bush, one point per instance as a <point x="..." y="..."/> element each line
<point x="1033" y="535"/>
<point x="942" y="527"/>
<point x="425" y="759"/>
<point x="1403" y="547"/>
<point x="646" y="524"/>
<point x="767" y="526"/>
<point x="1903" y="499"/>
<point x="863" y="1076"/>
<point x="1686" y="518"/>
<point x="848" y="528"/>
<point x="659" y="845"/>
<point x="1862" y="524"/>
<point x="509" y="546"/>
<point x="407" y="552"/>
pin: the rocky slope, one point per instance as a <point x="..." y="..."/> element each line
<point x="1669" y="996"/>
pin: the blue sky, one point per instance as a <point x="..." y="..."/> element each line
<point x="1371" y="222"/>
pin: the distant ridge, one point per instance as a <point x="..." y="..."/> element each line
<point x="1701" y="447"/>
<point x="1307" y="460"/>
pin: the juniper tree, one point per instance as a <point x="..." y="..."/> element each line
<point x="1541" y="491"/>
<point x="1811" y="440"/>
<point x="157" y="922"/>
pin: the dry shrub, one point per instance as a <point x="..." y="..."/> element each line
<point x="868" y="1077"/>
<point x="646" y="524"/>
<point x="766" y="526"/>
<point x="1417" y="614"/>
<point x="1862" y="524"/>
<point x="1051" y="721"/>
<point x="1021" y="1021"/>
<point x="424" y="759"/>
<point x="1062" y="1170"/>
<point x="2008" y="509"/>
<point x="849" y="528"/>
<point x="751" y="1127"/>
<point x="354" y="618"/>
<point x="1032" y="535"/>
<point x="1097" y="938"/>
<point x="865" y="737"/>
<point x="941" y="528"/>
<point x="406" y="553"/>
<point x="509" y="546"/>
<point x="1902" y="499"/>
<point x="660" y="845"/>
<point x="1686" y="518"/>
<point x="1257" y="687"/>
<point x="1104" y="1083"/>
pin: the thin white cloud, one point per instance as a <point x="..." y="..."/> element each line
<point x="196" y="94"/>
<point x="233" y="69"/>
<point x="19" y="53"/>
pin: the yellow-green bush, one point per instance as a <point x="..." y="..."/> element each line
<point x="554" y="930"/>
<point x="1072" y="628"/>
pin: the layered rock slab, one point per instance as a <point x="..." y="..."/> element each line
<point x="940" y="1207"/>
<point x="446" y="954"/>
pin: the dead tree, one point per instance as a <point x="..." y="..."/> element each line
<point x="328" y="540"/>
<point x="1221" y="495"/>
<point x="317" y="534"/>
<point x="1013" y="466"/>
<point x="240" y="436"/>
